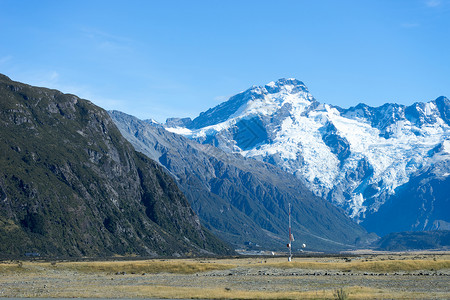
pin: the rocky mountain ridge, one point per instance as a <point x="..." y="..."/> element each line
<point x="358" y="158"/>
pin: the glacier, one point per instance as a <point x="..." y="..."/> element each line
<point x="356" y="157"/>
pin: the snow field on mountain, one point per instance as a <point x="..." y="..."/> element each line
<point x="387" y="145"/>
<point x="299" y="138"/>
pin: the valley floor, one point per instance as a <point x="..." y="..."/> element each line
<point x="398" y="276"/>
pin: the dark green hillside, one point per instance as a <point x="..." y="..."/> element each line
<point x="70" y="185"/>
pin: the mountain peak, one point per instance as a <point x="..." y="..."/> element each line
<point x="290" y="85"/>
<point x="286" y="81"/>
<point x="256" y="100"/>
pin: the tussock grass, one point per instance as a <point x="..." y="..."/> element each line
<point x="15" y="267"/>
<point x="129" y="267"/>
<point x="187" y="266"/>
<point x="369" y="266"/>
<point x="157" y="291"/>
<point x="147" y="266"/>
<point x="219" y="293"/>
<point x="401" y="265"/>
<point x="98" y="280"/>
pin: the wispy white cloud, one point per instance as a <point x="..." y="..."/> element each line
<point x="95" y="33"/>
<point x="433" y="3"/>
<point x="106" y="41"/>
<point x="44" y="78"/>
<point x="54" y="76"/>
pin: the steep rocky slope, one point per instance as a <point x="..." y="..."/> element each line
<point x="244" y="201"/>
<point x="71" y="185"/>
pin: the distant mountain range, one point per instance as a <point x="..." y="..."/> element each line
<point x="76" y="180"/>
<point x="373" y="162"/>
<point x="244" y="201"/>
<point x="71" y="185"/>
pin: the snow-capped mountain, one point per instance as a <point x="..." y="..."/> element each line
<point x="357" y="158"/>
<point x="243" y="201"/>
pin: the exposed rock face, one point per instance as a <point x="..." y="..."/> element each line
<point x="71" y="185"/>
<point x="241" y="200"/>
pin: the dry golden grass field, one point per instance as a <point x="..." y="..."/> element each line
<point x="369" y="276"/>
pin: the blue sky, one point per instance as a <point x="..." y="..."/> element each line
<point x="159" y="59"/>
